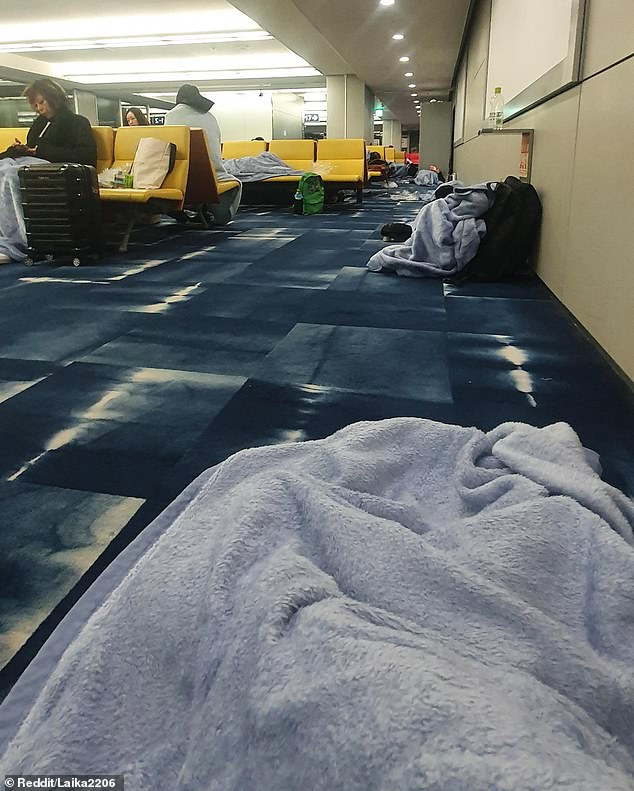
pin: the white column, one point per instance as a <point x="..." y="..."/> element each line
<point x="350" y="108"/>
<point x="86" y="105"/>
<point x="392" y="133"/>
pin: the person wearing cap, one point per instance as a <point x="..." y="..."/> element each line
<point x="192" y="109"/>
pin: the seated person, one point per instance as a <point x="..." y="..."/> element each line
<point x="192" y="109"/>
<point x="377" y="165"/>
<point x="412" y="157"/>
<point x="134" y="117"/>
<point x="57" y="135"/>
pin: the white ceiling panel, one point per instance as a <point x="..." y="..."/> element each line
<point x="359" y="39"/>
<point x="155" y="45"/>
<point x="149" y="45"/>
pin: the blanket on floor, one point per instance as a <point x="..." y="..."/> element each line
<point x="263" y="166"/>
<point x="446" y="236"/>
<point x="403" y="605"/>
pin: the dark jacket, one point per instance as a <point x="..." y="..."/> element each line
<point x="68" y="138"/>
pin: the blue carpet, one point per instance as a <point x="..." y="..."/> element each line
<point x="121" y="381"/>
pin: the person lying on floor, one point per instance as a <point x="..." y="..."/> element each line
<point x="57" y="135"/>
<point x="445" y="234"/>
<point x="400" y="231"/>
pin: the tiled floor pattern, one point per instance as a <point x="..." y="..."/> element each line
<point x="121" y="381"/>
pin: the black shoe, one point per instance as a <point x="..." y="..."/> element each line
<point x="396" y="232"/>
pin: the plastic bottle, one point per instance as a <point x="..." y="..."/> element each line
<point x="298" y="203"/>
<point x="496" y="106"/>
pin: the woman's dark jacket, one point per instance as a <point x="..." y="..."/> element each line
<point x="68" y="138"/>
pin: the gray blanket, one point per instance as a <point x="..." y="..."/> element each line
<point x="260" y="168"/>
<point x="13" y="242"/>
<point x="446" y="236"/>
<point x="404" y="605"/>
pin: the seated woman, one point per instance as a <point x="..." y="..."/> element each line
<point x="135" y="117"/>
<point x="57" y="135"/>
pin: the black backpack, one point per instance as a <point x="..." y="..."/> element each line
<point x="512" y="227"/>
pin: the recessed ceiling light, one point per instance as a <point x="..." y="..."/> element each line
<point x="416" y="101"/>
<point x="432" y="100"/>
<point x="386" y="2"/>
<point x="409" y="73"/>
<point x="412" y="85"/>
<point x="398" y="36"/>
<point x="413" y="94"/>
<point x="404" y="59"/>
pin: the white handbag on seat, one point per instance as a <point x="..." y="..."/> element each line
<point x="153" y="160"/>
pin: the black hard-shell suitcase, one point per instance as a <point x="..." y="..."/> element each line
<point x="61" y="209"/>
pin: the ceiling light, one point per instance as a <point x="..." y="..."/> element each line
<point x="432" y="100"/>
<point x="404" y="59"/>
<point x="412" y="85"/>
<point x="135" y="41"/>
<point x="386" y="2"/>
<point x="398" y="36"/>
<point x="110" y="25"/>
<point x="416" y="101"/>
<point x="211" y="65"/>
<point x="191" y="76"/>
<point x="413" y="94"/>
<point x="409" y="73"/>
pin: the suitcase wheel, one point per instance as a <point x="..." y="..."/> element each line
<point x="28" y="262"/>
<point x="76" y="261"/>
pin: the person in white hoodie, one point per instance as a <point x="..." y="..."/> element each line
<point x="192" y="109"/>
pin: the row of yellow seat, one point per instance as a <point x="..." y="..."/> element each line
<point x="116" y="148"/>
<point x="305" y="151"/>
<point x="387" y="154"/>
<point x="345" y="158"/>
<point x="191" y="183"/>
<point x="342" y="161"/>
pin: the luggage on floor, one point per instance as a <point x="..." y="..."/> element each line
<point x="512" y="224"/>
<point x="61" y="209"/>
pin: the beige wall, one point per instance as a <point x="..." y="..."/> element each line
<point x="582" y="166"/>
<point x="476" y="76"/>
<point x="609" y="34"/>
<point x="598" y="277"/>
<point x="435" y="135"/>
<point x="487" y="158"/>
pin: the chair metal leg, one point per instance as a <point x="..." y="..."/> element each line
<point x="123" y="245"/>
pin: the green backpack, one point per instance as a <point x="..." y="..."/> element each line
<point x="309" y="198"/>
